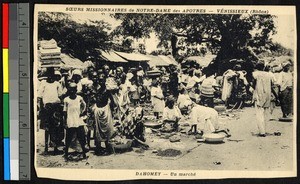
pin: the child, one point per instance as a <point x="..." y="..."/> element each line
<point x="171" y="113"/>
<point x="76" y="78"/>
<point x="74" y="106"/>
<point x="183" y="101"/>
<point x="103" y="123"/>
<point x="157" y="99"/>
<point x="139" y="131"/>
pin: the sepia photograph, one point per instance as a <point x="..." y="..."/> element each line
<point x="164" y="92"/>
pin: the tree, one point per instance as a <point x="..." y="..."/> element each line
<point x="230" y="36"/>
<point x="141" y="48"/>
<point x="279" y="50"/>
<point x="123" y="45"/>
<point x="78" y="39"/>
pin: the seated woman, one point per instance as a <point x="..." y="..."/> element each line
<point x="171" y="113"/>
<point x="133" y="127"/>
<point x="205" y="119"/>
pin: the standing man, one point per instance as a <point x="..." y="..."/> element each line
<point x="49" y="94"/>
<point x="286" y="90"/>
<point x="262" y="85"/>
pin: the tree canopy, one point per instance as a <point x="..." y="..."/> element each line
<point x="230" y="36"/>
<point x="235" y="36"/>
<point x="78" y="39"/>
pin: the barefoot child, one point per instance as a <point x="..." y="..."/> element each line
<point x="171" y="113"/>
<point x="74" y="106"/>
<point x="157" y="99"/>
<point x="103" y="123"/>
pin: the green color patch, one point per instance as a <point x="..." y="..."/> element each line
<point x="5" y="115"/>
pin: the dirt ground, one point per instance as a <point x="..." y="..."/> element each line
<point x="244" y="150"/>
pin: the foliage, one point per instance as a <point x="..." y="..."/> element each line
<point x="230" y="36"/>
<point x="123" y="45"/>
<point x="160" y="52"/>
<point x="78" y="39"/>
<point x="142" y="48"/>
<point x="276" y="49"/>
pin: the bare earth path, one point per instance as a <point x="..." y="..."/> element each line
<point x="271" y="153"/>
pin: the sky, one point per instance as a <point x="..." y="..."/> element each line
<point x="285" y="31"/>
<point x="284" y="24"/>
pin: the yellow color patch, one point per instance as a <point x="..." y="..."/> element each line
<point x="5" y="70"/>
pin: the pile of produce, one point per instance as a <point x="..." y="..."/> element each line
<point x="169" y="153"/>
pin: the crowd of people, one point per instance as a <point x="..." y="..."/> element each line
<point x="103" y="103"/>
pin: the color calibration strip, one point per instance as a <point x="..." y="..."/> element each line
<point x="5" y="42"/>
<point x="14" y="90"/>
<point x="24" y="98"/>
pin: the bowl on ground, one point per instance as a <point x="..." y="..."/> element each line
<point x="214" y="138"/>
<point x="152" y="124"/>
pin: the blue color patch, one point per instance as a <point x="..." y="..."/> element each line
<point x="6" y="159"/>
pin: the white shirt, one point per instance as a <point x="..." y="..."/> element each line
<point x="184" y="100"/>
<point x="171" y="114"/>
<point x="262" y="92"/>
<point x="202" y="78"/>
<point x="50" y="92"/>
<point x="147" y="83"/>
<point x="205" y="118"/>
<point x="86" y="82"/>
<point x="156" y="91"/>
<point x="191" y="81"/>
<point x="140" y="73"/>
<point x="286" y="80"/>
<point x="74" y="107"/>
<point x="79" y="87"/>
<point x="183" y="78"/>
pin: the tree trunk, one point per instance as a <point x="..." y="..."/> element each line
<point x="175" y="49"/>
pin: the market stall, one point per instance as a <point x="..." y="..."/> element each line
<point x="161" y="60"/>
<point x="202" y="61"/>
